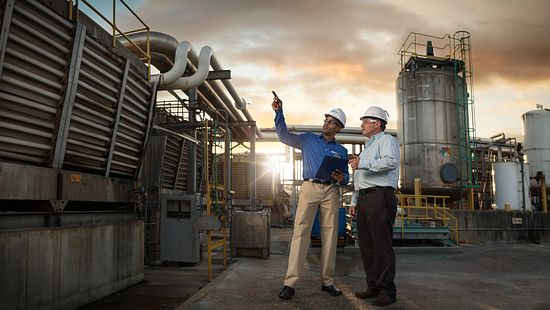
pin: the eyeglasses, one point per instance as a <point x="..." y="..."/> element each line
<point x="368" y="120"/>
<point x="330" y="122"/>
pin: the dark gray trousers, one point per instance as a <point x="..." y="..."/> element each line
<point x="375" y="217"/>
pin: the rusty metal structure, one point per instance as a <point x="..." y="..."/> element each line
<point x="95" y="172"/>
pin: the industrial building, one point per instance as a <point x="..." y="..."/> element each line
<point x="99" y="177"/>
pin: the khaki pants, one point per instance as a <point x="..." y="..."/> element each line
<point x="312" y="197"/>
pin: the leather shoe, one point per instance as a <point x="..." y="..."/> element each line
<point x="287" y="292"/>
<point x="383" y="300"/>
<point x="367" y="294"/>
<point x="332" y="290"/>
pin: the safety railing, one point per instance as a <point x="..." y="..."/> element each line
<point x="464" y="92"/>
<point x="416" y="45"/>
<point x="427" y="208"/>
<point x="116" y="32"/>
<point x="215" y="202"/>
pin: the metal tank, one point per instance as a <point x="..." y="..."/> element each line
<point x="507" y="185"/>
<point x="429" y="124"/>
<point x="536" y="139"/>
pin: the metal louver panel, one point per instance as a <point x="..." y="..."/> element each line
<point x="31" y="80"/>
<point x="171" y="161"/>
<point x="177" y="162"/>
<point x="94" y="93"/>
<point x="133" y="122"/>
<point x="66" y="99"/>
<point x="180" y="182"/>
<point x="239" y="179"/>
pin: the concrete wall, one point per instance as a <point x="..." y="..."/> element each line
<point x="503" y="226"/>
<point x="65" y="267"/>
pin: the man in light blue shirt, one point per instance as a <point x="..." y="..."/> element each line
<point x="315" y="193"/>
<point x="375" y="178"/>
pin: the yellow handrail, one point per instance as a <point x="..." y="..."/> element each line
<point x="220" y="243"/>
<point x="427" y="208"/>
<point x="116" y="32"/>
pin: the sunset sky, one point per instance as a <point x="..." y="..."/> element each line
<point x="343" y="53"/>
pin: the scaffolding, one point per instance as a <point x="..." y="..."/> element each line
<point x="464" y="92"/>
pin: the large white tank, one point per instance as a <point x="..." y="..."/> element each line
<point x="536" y="143"/>
<point x="507" y="185"/>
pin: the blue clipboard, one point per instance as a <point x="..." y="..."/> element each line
<point x="328" y="165"/>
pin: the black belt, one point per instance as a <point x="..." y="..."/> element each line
<point x="365" y="191"/>
<point x="320" y="181"/>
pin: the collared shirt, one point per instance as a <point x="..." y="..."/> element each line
<point x="314" y="148"/>
<point x="378" y="164"/>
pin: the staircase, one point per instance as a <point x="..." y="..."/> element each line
<point x="425" y="218"/>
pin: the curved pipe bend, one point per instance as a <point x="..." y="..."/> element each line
<point x="180" y="63"/>
<point x="198" y="77"/>
<point x="163" y="48"/>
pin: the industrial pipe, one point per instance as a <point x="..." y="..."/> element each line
<point x="198" y="77"/>
<point x="163" y="49"/>
<point x="180" y="63"/>
<point x="543" y="195"/>
<point x="181" y="135"/>
<point x="164" y="44"/>
<point x="160" y="43"/>
<point x="239" y="103"/>
<point x="349" y="135"/>
<point x="212" y="89"/>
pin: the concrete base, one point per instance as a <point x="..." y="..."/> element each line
<point x="503" y="226"/>
<point x="66" y="267"/>
<point x="487" y="276"/>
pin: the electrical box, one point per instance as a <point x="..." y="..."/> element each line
<point x="179" y="241"/>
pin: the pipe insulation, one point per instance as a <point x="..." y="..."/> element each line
<point x="196" y="78"/>
<point x="164" y="48"/>
<point x="180" y="63"/>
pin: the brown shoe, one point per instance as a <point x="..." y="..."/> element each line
<point x="367" y="294"/>
<point x="383" y="300"/>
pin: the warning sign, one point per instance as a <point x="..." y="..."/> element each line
<point x="445" y="151"/>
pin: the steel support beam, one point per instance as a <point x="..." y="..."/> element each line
<point x="219" y="75"/>
<point x="8" y="13"/>
<point x="252" y="161"/>
<point x="121" y="94"/>
<point x="178" y="166"/>
<point x="152" y="104"/>
<point x="70" y="94"/>
<point x="192" y="167"/>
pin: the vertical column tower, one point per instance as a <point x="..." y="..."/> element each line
<point x="433" y="103"/>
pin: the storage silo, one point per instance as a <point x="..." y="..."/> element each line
<point x="536" y="144"/>
<point x="433" y="124"/>
<point x="507" y="185"/>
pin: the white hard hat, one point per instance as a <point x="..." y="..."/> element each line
<point x="376" y="112"/>
<point x="338" y="114"/>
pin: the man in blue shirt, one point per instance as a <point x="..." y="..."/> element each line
<point x="375" y="178"/>
<point x="315" y="194"/>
